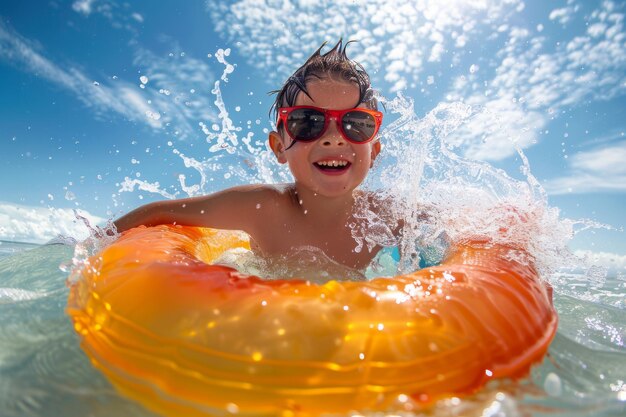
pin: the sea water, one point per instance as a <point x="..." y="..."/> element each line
<point x="43" y="371"/>
<point x="439" y="195"/>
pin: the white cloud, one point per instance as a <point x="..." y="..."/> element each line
<point x="396" y="37"/>
<point x="117" y="14"/>
<point x="601" y="169"/>
<point x="83" y="6"/>
<point x="562" y="15"/>
<point x="532" y="83"/>
<point x="596" y="29"/>
<point x="39" y="224"/>
<point x="21" y="52"/>
<point x="170" y="103"/>
<point x="601" y="161"/>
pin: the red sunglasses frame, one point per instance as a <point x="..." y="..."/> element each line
<point x="336" y="115"/>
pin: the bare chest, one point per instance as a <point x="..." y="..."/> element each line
<point x="280" y="236"/>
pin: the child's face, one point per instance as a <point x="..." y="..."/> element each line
<point x="308" y="161"/>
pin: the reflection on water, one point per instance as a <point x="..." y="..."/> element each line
<point x="43" y="371"/>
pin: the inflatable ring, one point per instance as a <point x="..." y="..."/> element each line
<point x="185" y="337"/>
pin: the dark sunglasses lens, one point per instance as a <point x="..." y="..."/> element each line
<point x="305" y="124"/>
<point x="358" y="126"/>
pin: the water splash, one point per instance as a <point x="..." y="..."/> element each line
<point x="434" y="194"/>
<point x="99" y="238"/>
<point x="440" y="197"/>
<point x="129" y="185"/>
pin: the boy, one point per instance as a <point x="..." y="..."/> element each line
<point x="326" y="132"/>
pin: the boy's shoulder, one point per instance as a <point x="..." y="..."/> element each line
<point x="263" y="190"/>
<point x="263" y="196"/>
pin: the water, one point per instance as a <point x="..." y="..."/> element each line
<point x="43" y="371"/>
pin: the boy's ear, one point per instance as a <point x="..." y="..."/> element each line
<point x="375" y="151"/>
<point x="276" y="143"/>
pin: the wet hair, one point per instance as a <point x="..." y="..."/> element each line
<point x="334" y="62"/>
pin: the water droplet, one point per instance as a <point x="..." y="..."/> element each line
<point x="473" y="68"/>
<point x="143" y="79"/>
<point x="96" y="83"/>
<point x="552" y="385"/>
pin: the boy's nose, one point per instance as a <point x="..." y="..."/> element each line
<point x="333" y="136"/>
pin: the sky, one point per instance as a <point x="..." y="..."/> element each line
<point x="101" y="97"/>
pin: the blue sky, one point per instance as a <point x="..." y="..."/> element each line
<point x="77" y="118"/>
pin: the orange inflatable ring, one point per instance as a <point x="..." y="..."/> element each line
<point x="187" y="338"/>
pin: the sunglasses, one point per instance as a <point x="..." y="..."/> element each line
<point x="308" y="123"/>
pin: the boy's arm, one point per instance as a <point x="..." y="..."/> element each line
<point x="234" y="208"/>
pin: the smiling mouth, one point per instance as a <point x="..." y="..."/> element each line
<point x="332" y="166"/>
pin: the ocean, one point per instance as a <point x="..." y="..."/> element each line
<point x="43" y="371"/>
